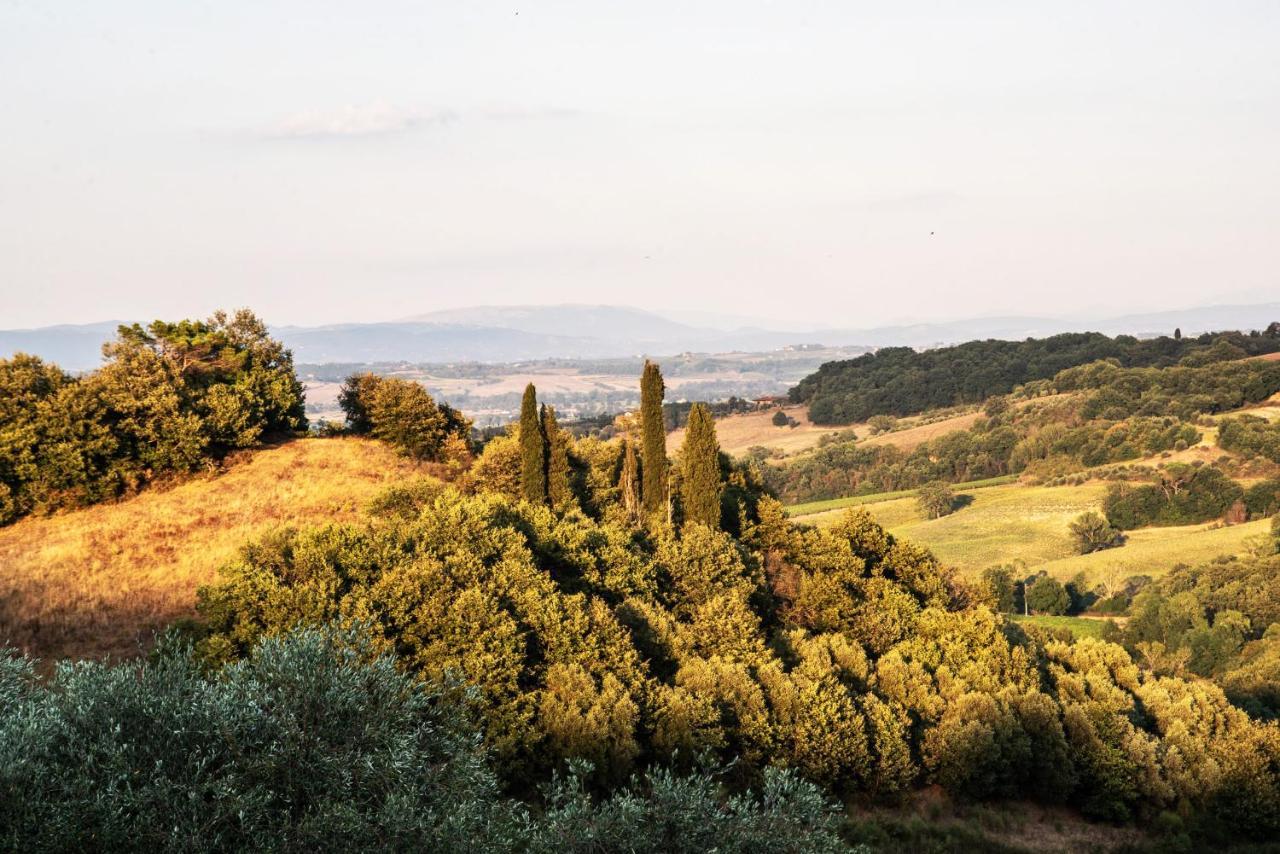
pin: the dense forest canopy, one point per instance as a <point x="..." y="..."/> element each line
<point x="902" y="381"/>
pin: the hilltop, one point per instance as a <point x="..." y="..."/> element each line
<point x="103" y="579"/>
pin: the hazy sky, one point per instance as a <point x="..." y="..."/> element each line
<point x="842" y="162"/>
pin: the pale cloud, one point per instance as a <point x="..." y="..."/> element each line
<point x="370" y="120"/>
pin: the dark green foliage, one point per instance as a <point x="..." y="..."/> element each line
<point x="1046" y="595"/>
<point x="307" y="744"/>
<point x="1263" y="498"/>
<point x="1184" y="495"/>
<point x="313" y="743"/>
<point x="998" y="588"/>
<point x="901" y="381"/>
<point x="170" y="399"/>
<point x="936" y="500"/>
<point x="1092" y="533"/>
<point x="700" y="486"/>
<point x="533" y="449"/>
<point x="402" y="414"/>
<point x="780" y="419"/>
<point x="1250" y="436"/>
<point x="558" y="492"/>
<point x="1181" y="392"/>
<point x="653" y="441"/>
<point x="665" y="812"/>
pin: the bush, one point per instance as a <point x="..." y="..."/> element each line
<point x="936" y="500"/>
<point x="881" y="424"/>
<point x="402" y="414"/>
<point x="1094" y="533"/>
<point x="780" y="419"/>
<point x="1047" y="596"/>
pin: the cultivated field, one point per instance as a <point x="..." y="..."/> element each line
<point x="103" y="579"/>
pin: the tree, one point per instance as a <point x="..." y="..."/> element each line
<point x="1048" y="596"/>
<point x="998" y="589"/>
<point x="936" y="500"/>
<point x="533" y="449"/>
<point x="558" y="492"/>
<point x="700" y="458"/>
<point x="653" y="446"/>
<point x="780" y="419"/>
<point x="629" y="481"/>
<point x="881" y="424"/>
<point x="1093" y="533"/>
<point x="402" y="414"/>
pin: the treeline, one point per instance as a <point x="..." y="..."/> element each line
<point x="1182" y="392"/>
<point x="901" y="381"/>
<point x="1251" y="436"/>
<point x="1049" y="441"/>
<point x="170" y="398"/>
<point x="1118" y="415"/>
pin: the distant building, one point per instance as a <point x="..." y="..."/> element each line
<point x="770" y="400"/>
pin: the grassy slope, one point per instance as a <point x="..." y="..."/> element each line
<point x="1081" y="627"/>
<point x="737" y="433"/>
<point x="811" y="507"/>
<point x="103" y="579"/>
<point x="1012" y="523"/>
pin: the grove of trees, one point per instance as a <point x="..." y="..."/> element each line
<point x="169" y="399"/>
<point x="901" y="381"/>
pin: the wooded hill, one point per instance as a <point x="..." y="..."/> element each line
<point x="902" y="381"/>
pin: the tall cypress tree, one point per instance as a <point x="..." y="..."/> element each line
<point x="700" y="467"/>
<point x="629" y="481"/>
<point x="558" y="491"/>
<point x="533" y="449"/>
<point x="653" y="445"/>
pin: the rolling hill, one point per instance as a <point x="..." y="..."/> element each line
<point x="103" y="580"/>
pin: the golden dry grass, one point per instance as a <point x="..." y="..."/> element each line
<point x="913" y="437"/>
<point x="104" y="579"/>
<point x="737" y="433"/>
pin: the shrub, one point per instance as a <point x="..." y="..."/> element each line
<point x="1094" y="533"/>
<point x="780" y="419"/>
<point x="936" y="500"/>
<point x="1047" y="596"/>
<point x="402" y="414"/>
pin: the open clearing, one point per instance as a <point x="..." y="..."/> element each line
<point x="737" y="433"/>
<point x="1081" y="627"/>
<point x="104" y="579"/>
<point x="1027" y="525"/>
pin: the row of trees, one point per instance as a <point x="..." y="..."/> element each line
<point x="170" y="398"/>
<point x="644" y="481"/>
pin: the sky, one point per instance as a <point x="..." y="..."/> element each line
<point x="837" y="163"/>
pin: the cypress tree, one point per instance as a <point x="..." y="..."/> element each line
<point x="533" y="449"/>
<point x="700" y="467"/>
<point x="653" y="439"/>
<point x="558" y="492"/>
<point x="629" y="481"/>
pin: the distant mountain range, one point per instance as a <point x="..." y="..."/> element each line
<point x="519" y="333"/>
